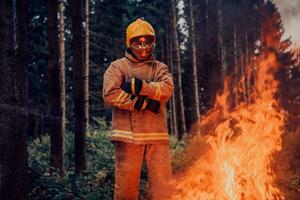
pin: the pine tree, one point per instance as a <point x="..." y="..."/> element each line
<point x="194" y="61"/>
<point x="13" y="100"/>
<point x="86" y="65"/>
<point x="271" y="34"/>
<point x="178" y="67"/>
<point x="80" y="93"/>
<point x="62" y="62"/>
<point x="56" y="90"/>
<point x="221" y="45"/>
<point x="173" y="109"/>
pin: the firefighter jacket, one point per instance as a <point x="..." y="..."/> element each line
<point x="128" y="124"/>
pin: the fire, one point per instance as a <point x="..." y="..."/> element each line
<point x="241" y="146"/>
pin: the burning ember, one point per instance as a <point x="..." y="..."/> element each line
<point x="241" y="147"/>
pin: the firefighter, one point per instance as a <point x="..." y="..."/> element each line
<point x="138" y="87"/>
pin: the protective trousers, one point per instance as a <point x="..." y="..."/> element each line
<point x="128" y="165"/>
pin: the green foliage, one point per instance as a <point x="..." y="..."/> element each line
<point x="178" y="152"/>
<point x="95" y="183"/>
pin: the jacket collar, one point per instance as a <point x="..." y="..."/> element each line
<point x="150" y="60"/>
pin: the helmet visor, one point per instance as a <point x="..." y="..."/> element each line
<point x="142" y="42"/>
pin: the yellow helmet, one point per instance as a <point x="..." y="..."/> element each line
<point x="138" y="28"/>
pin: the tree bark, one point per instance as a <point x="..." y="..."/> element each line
<point x="80" y="93"/>
<point x="247" y="66"/>
<point x="177" y="64"/>
<point x="13" y="101"/>
<point x="245" y="50"/>
<point x="194" y="61"/>
<point x="86" y="60"/>
<point x="235" y="59"/>
<point x="55" y="91"/>
<point x="174" y="126"/>
<point x="62" y="61"/>
<point x="243" y="73"/>
<point x="222" y="52"/>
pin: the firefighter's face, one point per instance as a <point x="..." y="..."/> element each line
<point x="142" y="47"/>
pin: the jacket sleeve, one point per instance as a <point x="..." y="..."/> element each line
<point x="113" y="95"/>
<point x="162" y="89"/>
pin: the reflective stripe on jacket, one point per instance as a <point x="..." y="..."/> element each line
<point x="128" y="124"/>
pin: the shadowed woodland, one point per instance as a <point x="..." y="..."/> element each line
<point x="53" y="123"/>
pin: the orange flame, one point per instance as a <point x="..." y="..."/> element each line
<point x="237" y="163"/>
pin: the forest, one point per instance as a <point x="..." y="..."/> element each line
<point x="236" y="96"/>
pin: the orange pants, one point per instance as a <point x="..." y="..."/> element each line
<point x="128" y="165"/>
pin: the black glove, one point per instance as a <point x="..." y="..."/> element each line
<point x="134" y="86"/>
<point x="150" y="104"/>
<point x="153" y="105"/>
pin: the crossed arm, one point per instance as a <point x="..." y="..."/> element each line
<point x="130" y="95"/>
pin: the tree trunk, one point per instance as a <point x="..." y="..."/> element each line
<point x="86" y="61"/>
<point x="222" y="52"/>
<point x="177" y="64"/>
<point x="236" y="71"/>
<point x="165" y="54"/>
<point x="247" y="66"/>
<point x="80" y="93"/>
<point x="174" y="126"/>
<point x="13" y="101"/>
<point x="61" y="46"/>
<point x="245" y="50"/>
<point x="243" y="73"/>
<point x="194" y="61"/>
<point x="55" y="92"/>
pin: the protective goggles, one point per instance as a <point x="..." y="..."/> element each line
<point x="143" y="42"/>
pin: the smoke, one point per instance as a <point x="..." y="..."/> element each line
<point x="290" y="13"/>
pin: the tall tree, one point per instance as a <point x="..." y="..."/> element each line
<point x="221" y="46"/>
<point x="86" y="65"/>
<point x="62" y="61"/>
<point x="245" y="24"/>
<point x="194" y="60"/>
<point x="56" y="90"/>
<point x="243" y="72"/>
<point x="80" y="94"/>
<point x="177" y="65"/>
<point x="173" y="118"/>
<point x="235" y="61"/>
<point x="271" y="35"/>
<point x="247" y="82"/>
<point x="13" y="101"/>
